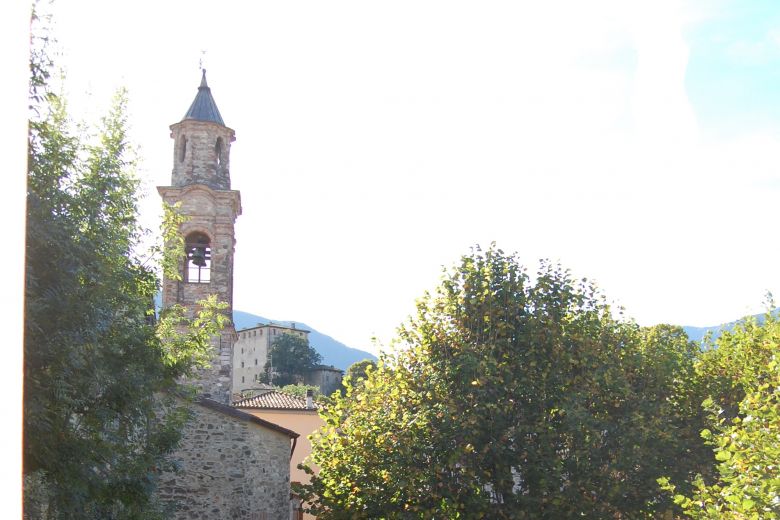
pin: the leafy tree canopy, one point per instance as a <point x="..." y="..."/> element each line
<point x="98" y="366"/>
<point x="742" y="377"/>
<point x="290" y="359"/>
<point x="357" y="372"/>
<point x="300" y="390"/>
<point x="509" y="396"/>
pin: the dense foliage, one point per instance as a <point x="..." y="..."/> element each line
<point x="358" y="371"/>
<point x="511" y="396"/>
<point x="290" y="359"/>
<point x="742" y="376"/>
<point x="99" y="369"/>
<point x="299" y="390"/>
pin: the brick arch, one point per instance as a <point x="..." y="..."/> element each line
<point x="188" y="228"/>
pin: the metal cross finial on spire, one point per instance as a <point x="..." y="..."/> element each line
<point x="202" y="69"/>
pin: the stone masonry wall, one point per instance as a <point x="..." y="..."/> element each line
<point x="214" y="381"/>
<point x="198" y="159"/>
<point x="230" y="469"/>
<point x="211" y="213"/>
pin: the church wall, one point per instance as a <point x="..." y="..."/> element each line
<point x="214" y="380"/>
<point x="230" y="469"/>
<point x="304" y="422"/>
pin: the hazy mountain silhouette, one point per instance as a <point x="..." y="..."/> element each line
<point x="698" y="333"/>
<point x="333" y="352"/>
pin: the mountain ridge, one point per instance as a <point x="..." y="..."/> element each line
<point x="341" y="356"/>
<point x="698" y="333"/>
<point x="333" y="352"/>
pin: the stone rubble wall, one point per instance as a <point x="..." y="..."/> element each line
<point x="214" y="381"/>
<point x="229" y="469"/>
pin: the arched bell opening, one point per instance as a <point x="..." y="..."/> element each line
<point x="198" y="258"/>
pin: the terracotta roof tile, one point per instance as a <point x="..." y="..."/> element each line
<point x="274" y="400"/>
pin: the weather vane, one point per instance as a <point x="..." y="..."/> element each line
<point x="200" y="61"/>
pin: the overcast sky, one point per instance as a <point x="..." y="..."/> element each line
<point x="638" y="143"/>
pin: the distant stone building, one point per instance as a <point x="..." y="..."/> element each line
<point x="233" y="465"/>
<point x="250" y="352"/>
<point x="326" y="378"/>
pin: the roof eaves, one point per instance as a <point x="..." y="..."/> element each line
<point x="248" y="417"/>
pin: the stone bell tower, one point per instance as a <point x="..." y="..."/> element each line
<point x="200" y="182"/>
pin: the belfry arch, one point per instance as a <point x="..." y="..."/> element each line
<point x="197" y="252"/>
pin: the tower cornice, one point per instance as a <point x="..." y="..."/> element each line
<point x="195" y="123"/>
<point x="176" y="193"/>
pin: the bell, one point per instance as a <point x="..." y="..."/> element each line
<point x="198" y="256"/>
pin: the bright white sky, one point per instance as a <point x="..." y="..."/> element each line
<point x="638" y="143"/>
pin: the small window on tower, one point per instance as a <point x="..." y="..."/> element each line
<point x="198" y="249"/>
<point x="182" y="148"/>
<point x="219" y="151"/>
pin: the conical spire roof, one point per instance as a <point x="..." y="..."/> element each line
<point x="204" y="108"/>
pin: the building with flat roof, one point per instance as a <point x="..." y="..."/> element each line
<point x="250" y="353"/>
<point x="326" y="377"/>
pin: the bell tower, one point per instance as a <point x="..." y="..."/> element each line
<point x="200" y="182"/>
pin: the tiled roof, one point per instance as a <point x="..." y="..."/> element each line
<point x="204" y="108"/>
<point x="274" y="400"/>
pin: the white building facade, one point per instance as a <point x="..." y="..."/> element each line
<point x="250" y="353"/>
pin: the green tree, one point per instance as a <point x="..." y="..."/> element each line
<point x="508" y="397"/>
<point x="290" y="359"/>
<point x="98" y="367"/>
<point x="299" y="390"/>
<point x="358" y="371"/>
<point x="742" y="376"/>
